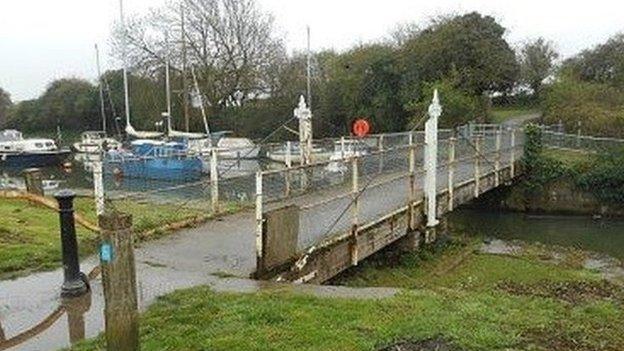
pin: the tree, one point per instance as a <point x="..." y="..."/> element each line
<point x="602" y="64"/>
<point x="230" y="43"/>
<point x="472" y="45"/>
<point x="70" y="103"/>
<point x="5" y="106"/>
<point x="537" y="62"/>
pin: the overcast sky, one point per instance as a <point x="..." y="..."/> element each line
<point x="41" y="40"/>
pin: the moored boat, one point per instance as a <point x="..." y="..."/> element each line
<point x="155" y="159"/>
<point x="18" y="152"/>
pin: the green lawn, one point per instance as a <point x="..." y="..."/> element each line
<point x="30" y="239"/>
<point x="474" y="301"/>
<point x="502" y="114"/>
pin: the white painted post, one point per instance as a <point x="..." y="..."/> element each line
<point x="303" y="113"/>
<point x="288" y="166"/>
<point x="412" y="181"/>
<point x="451" y="172"/>
<point x="498" y="158"/>
<point x="578" y="135"/>
<point x="477" y="171"/>
<point x="431" y="159"/>
<point x="512" y="156"/>
<point x="259" y="219"/>
<point x="356" y="209"/>
<point x="214" y="180"/>
<point x="98" y="181"/>
<point x="342" y="147"/>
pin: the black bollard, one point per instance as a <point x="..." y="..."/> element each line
<point x="74" y="284"/>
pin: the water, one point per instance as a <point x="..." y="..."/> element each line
<point x="603" y="236"/>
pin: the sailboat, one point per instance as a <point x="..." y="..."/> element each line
<point x="93" y="141"/>
<point x="151" y="156"/>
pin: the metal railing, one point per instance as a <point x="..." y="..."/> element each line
<point x="580" y="142"/>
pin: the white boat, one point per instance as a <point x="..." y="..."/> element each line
<point x="236" y="148"/>
<point x="281" y="154"/>
<point x="15" y="151"/>
<point x="344" y="149"/>
<point x="93" y="141"/>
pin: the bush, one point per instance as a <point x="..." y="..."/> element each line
<point x="605" y="178"/>
<point x="599" y="107"/>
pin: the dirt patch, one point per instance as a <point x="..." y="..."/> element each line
<point x="572" y="291"/>
<point x="434" y="344"/>
<point x="555" y="340"/>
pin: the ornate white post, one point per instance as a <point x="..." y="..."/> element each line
<point x="412" y="181"/>
<point x="303" y="113"/>
<point x="431" y="158"/>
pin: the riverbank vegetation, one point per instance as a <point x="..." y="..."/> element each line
<point x="454" y="295"/>
<point x="30" y="233"/>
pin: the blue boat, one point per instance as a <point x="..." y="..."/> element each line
<point x="155" y="159"/>
<point x="17" y="152"/>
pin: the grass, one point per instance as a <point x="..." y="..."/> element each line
<point x="570" y="158"/>
<point x="460" y="298"/>
<point x="30" y="239"/>
<point x="502" y="114"/>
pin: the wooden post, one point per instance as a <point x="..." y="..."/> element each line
<point x="119" y="282"/>
<point x="214" y="180"/>
<point x="412" y="182"/>
<point x="356" y="209"/>
<point x="34" y="181"/>
<point x="259" y="219"/>
<point x="76" y="308"/>
<point x="497" y="159"/>
<point x="451" y="172"/>
<point x="477" y="171"/>
<point x="512" y="157"/>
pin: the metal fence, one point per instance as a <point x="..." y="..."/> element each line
<point x="337" y="195"/>
<point x="580" y="142"/>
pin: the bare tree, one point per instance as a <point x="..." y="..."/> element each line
<point x="231" y="44"/>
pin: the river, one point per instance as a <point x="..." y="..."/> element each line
<point x="585" y="233"/>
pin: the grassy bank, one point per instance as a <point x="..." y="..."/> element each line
<point x="469" y="300"/>
<point x="30" y="239"/>
<point x="502" y="114"/>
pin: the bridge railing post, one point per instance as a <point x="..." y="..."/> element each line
<point x="355" y="210"/>
<point x="512" y="156"/>
<point x="412" y="181"/>
<point x="497" y="159"/>
<point x="477" y="165"/>
<point x="214" y="180"/>
<point x="287" y="170"/>
<point x="451" y="171"/>
<point x="259" y="219"/>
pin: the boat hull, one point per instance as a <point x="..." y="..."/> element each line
<point x="171" y="169"/>
<point x="34" y="159"/>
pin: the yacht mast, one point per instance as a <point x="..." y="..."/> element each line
<point x="125" y="69"/>
<point x="184" y="83"/>
<point x="167" y="75"/>
<point x="99" y="73"/>
<point x="201" y="101"/>
<point x="308" y="69"/>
